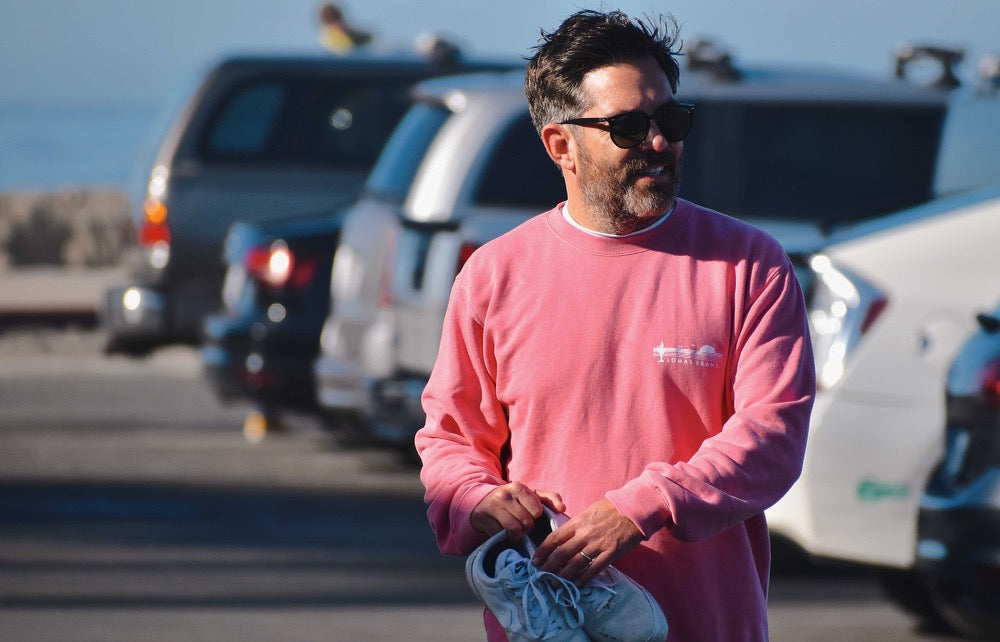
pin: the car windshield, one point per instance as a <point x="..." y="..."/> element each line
<point x="304" y="121"/>
<point x="401" y="157"/>
<point x="828" y="164"/>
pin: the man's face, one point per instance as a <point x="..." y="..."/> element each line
<point x="627" y="189"/>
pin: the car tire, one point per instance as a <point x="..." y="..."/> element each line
<point x="908" y="590"/>
<point x="348" y="429"/>
<point x="968" y="611"/>
<point x="133" y="349"/>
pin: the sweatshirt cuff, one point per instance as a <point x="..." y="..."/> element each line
<point x="643" y="504"/>
<point x="467" y="538"/>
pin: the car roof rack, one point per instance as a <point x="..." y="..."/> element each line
<point x="907" y="54"/>
<point x="705" y="55"/>
<point x="437" y="49"/>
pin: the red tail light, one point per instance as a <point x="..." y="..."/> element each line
<point x="991" y="384"/>
<point x="385" y="294"/>
<point x="153" y="228"/>
<point x="464" y="253"/>
<point x="873" y="312"/>
<point x="276" y="266"/>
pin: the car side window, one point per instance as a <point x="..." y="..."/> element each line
<point x="519" y="173"/>
<point x="245" y="124"/>
<point x="780" y="161"/>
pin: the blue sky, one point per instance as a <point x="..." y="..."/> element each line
<point x="139" y="50"/>
<point x="85" y="84"/>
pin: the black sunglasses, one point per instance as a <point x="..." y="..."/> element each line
<point x="628" y="130"/>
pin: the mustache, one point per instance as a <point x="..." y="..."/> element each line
<point x="642" y="161"/>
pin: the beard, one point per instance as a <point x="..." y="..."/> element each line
<point x="613" y="192"/>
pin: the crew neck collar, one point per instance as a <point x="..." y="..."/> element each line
<point x="654" y="237"/>
<point x="572" y="221"/>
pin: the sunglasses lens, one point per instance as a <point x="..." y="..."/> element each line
<point x="629" y="130"/>
<point x="674" y="122"/>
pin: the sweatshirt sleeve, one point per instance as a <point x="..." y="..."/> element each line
<point x="466" y="429"/>
<point x="757" y="456"/>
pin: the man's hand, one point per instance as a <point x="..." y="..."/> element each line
<point x="588" y="543"/>
<point x="513" y="508"/>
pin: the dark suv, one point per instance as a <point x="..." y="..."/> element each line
<point x="262" y="138"/>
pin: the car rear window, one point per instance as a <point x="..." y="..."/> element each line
<point x="305" y="121"/>
<point x="519" y="173"/>
<point x="398" y="164"/>
<point x="247" y="120"/>
<point x="827" y="163"/>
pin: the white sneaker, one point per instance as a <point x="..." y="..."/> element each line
<point x="615" y="607"/>
<point x="529" y="604"/>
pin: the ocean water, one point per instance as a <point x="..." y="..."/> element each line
<point x="67" y="146"/>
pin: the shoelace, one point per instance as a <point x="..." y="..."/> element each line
<point x="550" y="603"/>
<point x="598" y="593"/>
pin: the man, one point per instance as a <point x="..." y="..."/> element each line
<point x="632" y="359"/>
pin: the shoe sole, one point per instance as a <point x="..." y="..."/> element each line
<point x="475" y="561"/>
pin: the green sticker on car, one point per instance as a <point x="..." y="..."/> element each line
<point x="870" y="490"/>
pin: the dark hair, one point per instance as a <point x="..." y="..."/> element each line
<point x="589" y="40"/>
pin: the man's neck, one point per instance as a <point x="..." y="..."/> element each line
<point x="602" y="228"/>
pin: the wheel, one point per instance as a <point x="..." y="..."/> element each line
<point x="908" y="590"/>
<point x="970" y="612"/>
<point x="131" y="349"/>
<point x="347" y="429"/>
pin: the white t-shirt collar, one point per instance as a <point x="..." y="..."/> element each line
<point x="574" y="223"/>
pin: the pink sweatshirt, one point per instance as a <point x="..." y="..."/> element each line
<point x="669" y="371"/>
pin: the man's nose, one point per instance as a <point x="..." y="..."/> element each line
<point x="655" y="139"/>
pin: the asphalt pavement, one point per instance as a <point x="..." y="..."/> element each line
<point x="133" y="509"/>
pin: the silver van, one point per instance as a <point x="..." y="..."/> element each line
<point x="432" y="176"/>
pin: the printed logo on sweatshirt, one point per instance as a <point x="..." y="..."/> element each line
<point x="703" y="357"/>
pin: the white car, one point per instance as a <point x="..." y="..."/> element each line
<point x="889" y="309"/>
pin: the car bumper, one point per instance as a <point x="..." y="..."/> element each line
<point x="959" y="534"/>
<point x="394" y="410"/>
<point x="144" y="316"/>
<point x="134" y="314"/>
<point x="339" y="386"/>
<point x="242" y="361"/>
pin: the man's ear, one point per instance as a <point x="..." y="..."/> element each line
<point x="560" y="146"/>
